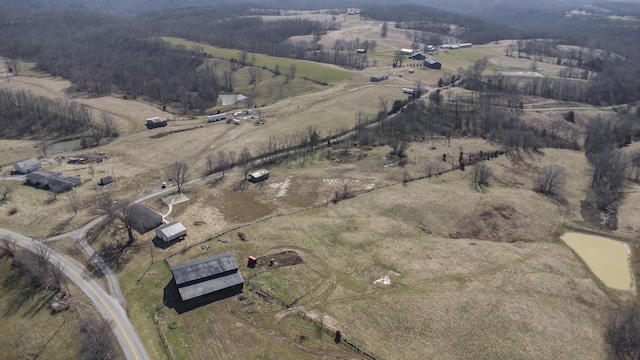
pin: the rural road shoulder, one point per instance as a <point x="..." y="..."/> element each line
<point x="105" y="304"/>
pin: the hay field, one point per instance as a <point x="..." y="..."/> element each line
<point x="320" y="72"/>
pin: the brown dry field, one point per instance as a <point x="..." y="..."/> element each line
<point x="490" y="260"/>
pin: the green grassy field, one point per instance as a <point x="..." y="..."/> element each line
<point x="319" y="72"/>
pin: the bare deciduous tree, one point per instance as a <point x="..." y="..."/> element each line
<point x="98" y="340"/>
<point x="223" y="161"/>
<point x="384" y="104"/>
<point x="622" y="333"/>
<point x="245" y="161"/>
<point x="74" y="201"/>
<point x="125" y="213"/>
<point x="551" y="179"/>
<point x="179" y="172"/>
<point x="291" y="74"/>
<point x="481" y="175"/>
<point x="5" y="191"/>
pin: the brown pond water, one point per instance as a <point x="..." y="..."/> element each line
<point x="608" y="259"/>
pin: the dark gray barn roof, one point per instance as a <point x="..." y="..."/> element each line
<point x="204" y="268"/>
<point x="145" y="219"/>
<point x="205" y="276"/>
<point x="209" y="286"/>
<point x="431" y="61"/>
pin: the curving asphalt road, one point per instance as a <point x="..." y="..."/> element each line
<point x="106" y="305"/>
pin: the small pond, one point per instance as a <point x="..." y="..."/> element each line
<point x="66" y="145"/>
<point x="608" y="259"/>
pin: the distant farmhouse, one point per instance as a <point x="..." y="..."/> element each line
<point x="418" y="56"/>
<point x="48" y="180"/>
<point x="213" y="277"/>
<point x="144" y="219"/>
<point x="379" y="78"/>
<point x="27" y="166"/>
<point x="406" y="51"/>
<point x="432" y="63"/>
<point x="155" y="122"/>
<point x="361" y="51"/>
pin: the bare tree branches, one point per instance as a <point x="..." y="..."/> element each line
<point x="551" y="179"/>
<point x="74" y="201"/>
<point x="245" y="161"/>
<point x="5" y="191"/>
<point x="98" y="340"/>
<point x="481" y="175"/>
<point x="179" y="172"/>
<point x="622" y="333"/>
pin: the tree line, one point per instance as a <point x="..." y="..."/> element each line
<point x="24" y="114"/>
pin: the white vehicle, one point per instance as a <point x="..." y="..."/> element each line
<point x="164" y="185"/>
<point x="239" y="113"/>
<point x="407" y="91"/>
<point x="235" y="122"/>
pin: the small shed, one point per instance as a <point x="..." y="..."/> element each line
<point x="432" y="63"/>
<point x="259" y="175"/>
<point x="406" y="51"/>
<point x="144" y="219"/>
<point x="361" y="51"/>
<point x="252" y="261"/>
<point x="106" y="180"/>
<point x="27" y="166"/>
<point x="171" y="231"/>
<point x="155" y="122"/>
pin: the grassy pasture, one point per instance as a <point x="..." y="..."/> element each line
<point x="319" y="72"/>
<point x="447" y="279"/>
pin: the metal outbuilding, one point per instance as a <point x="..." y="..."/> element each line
<point x="432" y="63"/>
<point x="144" y="219"/>
<point x="259" y="175"/>
<point x="216" y="275"/>
<point x="106" y="180"/>
<point x="27" y="166"/>
<point x="171" y="231"/>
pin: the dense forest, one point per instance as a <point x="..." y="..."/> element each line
<point x="101" y="53"/>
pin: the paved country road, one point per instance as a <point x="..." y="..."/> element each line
<point x="106" y="305"/>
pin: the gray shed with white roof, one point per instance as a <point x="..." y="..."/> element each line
<point x="171" y="231"/>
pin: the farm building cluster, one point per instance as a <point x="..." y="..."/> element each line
<point x="49" y="180"/>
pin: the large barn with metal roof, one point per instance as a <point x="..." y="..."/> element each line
<point x="216" y="276"/>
